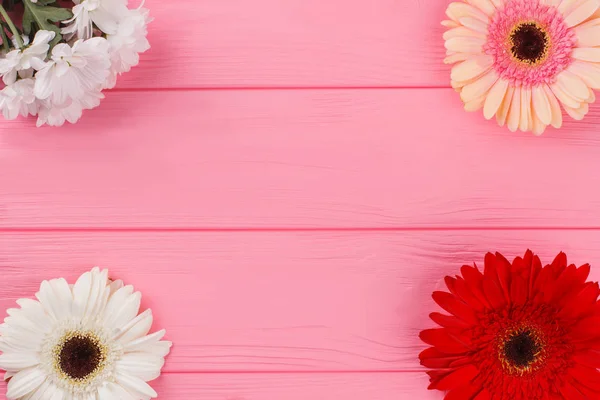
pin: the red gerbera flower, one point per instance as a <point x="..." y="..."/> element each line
<point x="516" y="331"/>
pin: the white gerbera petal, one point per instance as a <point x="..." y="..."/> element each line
<point x="88" y="294"/>
<point x="118" y="358"/>
<point x="125" y="311"/>
<point x="14" y="361"/>
<point x="146" y="341"/>
<point x="136" y="385"/>
<point x="136" y="328"/>
<point x="145" y="366"/>
<point x="114" y="391"/>
<point x="25" y="382"/>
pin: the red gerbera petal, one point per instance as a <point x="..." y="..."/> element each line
<point x="517" y="331"/>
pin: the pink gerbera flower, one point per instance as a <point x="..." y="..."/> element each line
<point x="520" y="60"/>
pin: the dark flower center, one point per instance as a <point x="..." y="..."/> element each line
<point x="529" y="43"/>
<point x="80" y="356"/>
<point x="521" y="349"/>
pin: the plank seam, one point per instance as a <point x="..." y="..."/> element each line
<point x="290" y="372"/>
<point x="272" y="88"/>
<point x="288" y="229"/>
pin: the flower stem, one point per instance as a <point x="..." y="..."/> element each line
<point x="12" y="27"/>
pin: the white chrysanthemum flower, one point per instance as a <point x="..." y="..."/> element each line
<point x="128" y="42"/>
<point x="71" y="111"/>
<point x="24" y="60"/>
<point x="105" y="14"/>
<point x="18" y="99"/>
<point x="82" y="341"/>
<point x="74" y="71"/>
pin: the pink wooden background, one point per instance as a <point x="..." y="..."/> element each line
<point x="287" y="181"/>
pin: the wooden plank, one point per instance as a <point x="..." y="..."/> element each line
<point x="304" y="43"/>
<point x="356" y="386"/>
<point x="295" y="159"/>
<point x="281" y="301"/>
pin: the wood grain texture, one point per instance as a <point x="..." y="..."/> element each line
<point x="295" y="159"/>
<point x="320" y="386"/>
<point x="277" y="301"/>
<point x="292" y="43"/>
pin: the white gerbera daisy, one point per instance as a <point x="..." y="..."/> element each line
<point x="74" y="71"/>
<point x="24" y="60"/>
<point x="82" y="341"/>
<point x="128" y="42"/>
<point x="18" y="99"/>
<point x="105" y="14"/>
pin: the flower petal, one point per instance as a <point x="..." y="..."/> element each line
<point x="588" y="72"/>
<point x="514" y="114"/>
<point x="581" y="12"/>
<point x="566" y="99"/>
<point x="25" y="382"/>
<point x="494" y="98"/>
<point x="480" y="87"/>
<point x="484" y="5"/>
<point x="472" y="45"/>
<point x="463" y="32"/>
<point x="142" y="365"/>
<point x="471" y="68"/>
<point x="124" y="311"/>
<point x="502" y="114"/>
<point x="136" y="385"/>
<point x="591" y="54"/>
<point x="16" y="361"/>
<point x="526" y="123"/>
<point x="541" y="105"/>
<point x="456" y="11"/>
<point x="577" y="113"/>
<point x="87" y="292"/>
<point x="588" y="34"/>
<point x="555" y="106"/>
<point x="136" y="328"/>
<point x="475" y="24"/>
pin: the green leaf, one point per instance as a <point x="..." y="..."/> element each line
<point x="5" y="39"/>
<point x="41" y="16"/>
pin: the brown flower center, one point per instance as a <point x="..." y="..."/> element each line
<point x="529" y="43"/>
<point x="521" y="350"/>
<point x="80" y="356"/>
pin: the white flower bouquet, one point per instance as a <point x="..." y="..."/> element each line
<point x="56" y="62"/>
